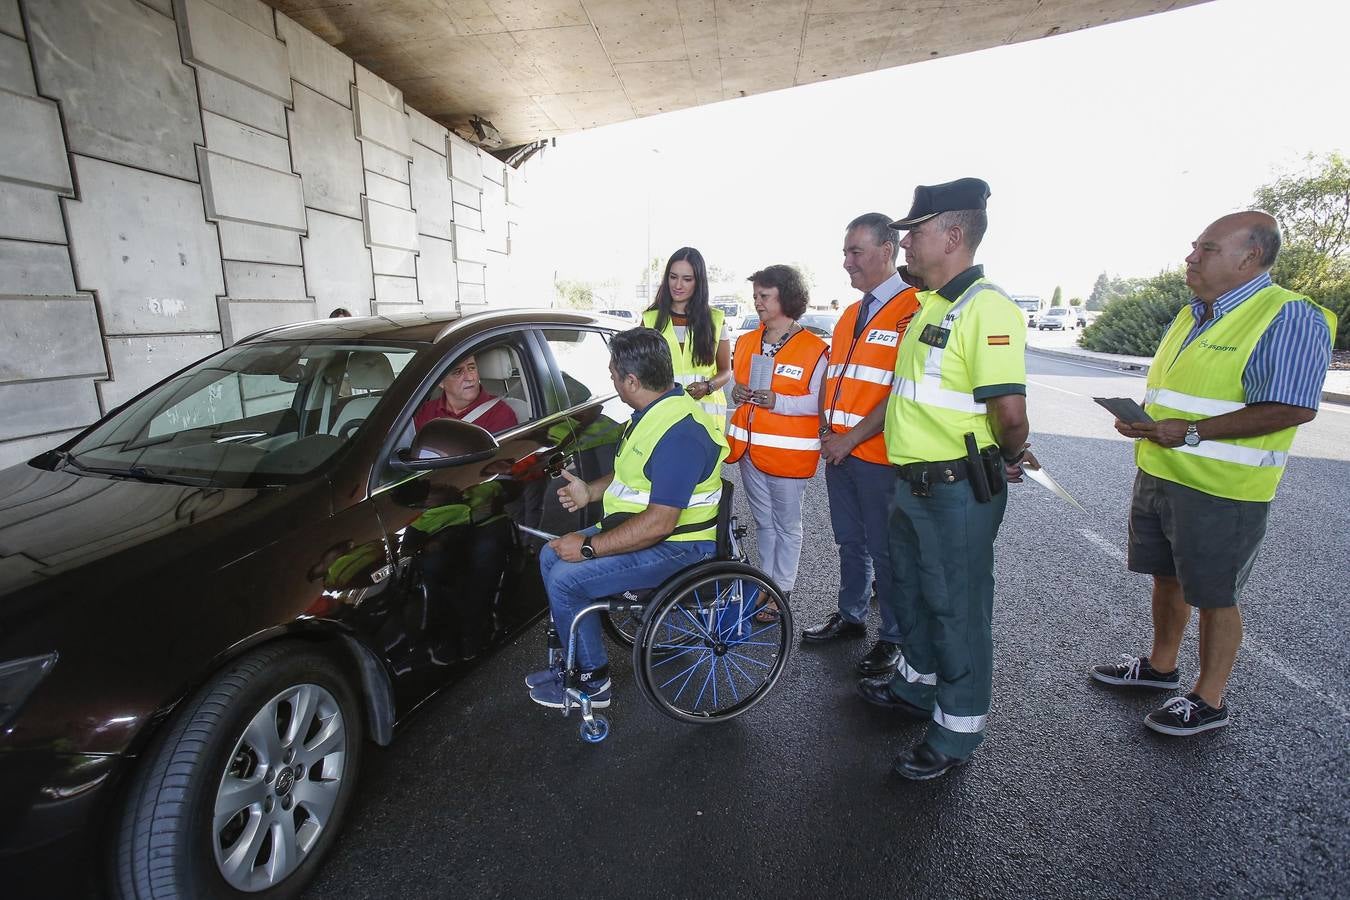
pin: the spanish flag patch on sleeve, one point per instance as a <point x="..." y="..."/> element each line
<point x="999" y="340"/>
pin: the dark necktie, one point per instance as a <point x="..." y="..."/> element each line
<point x="864" y="311"/>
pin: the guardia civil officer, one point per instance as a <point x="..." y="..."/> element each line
<point x="955" y="430"/>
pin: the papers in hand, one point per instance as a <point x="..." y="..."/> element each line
<point x="761" y="372"/>
<point x="1042" y="477"/>
<point x="1124" y="409"/>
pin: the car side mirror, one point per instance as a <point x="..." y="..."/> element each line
<point x="444" y="444"/>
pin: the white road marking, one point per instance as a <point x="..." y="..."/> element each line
<point x="1053" y="388"/>
<point x="1300" y="680"/>
<point x="1104" y="545"/>
<point x="1102" y="368"/>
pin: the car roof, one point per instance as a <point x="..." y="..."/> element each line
<point x="429" y="327"/>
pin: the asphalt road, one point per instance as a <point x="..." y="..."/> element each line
<point x="485" y="794"/>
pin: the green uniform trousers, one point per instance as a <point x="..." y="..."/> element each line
<point x="942" y="563"/>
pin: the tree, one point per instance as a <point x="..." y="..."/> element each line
<point x="1100" y="292"/>
<point x="1058" y="298"/>
<point x="574" y="294"/>
<point x="1076" y="301"/>
<point x="1135" y="323"/>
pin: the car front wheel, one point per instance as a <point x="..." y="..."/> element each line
<point x="245" y="791"/>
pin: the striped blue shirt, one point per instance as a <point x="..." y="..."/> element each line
<point x="1290" y="361"/>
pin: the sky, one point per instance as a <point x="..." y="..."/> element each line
<point x="1107" y="149"/>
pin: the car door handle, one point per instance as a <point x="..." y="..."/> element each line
<point x="556" y="463"/>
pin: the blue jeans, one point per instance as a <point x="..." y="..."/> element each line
<point x="860" y="494"/>
<point x="573" y="586"/>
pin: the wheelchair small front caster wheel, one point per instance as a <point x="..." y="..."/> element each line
<point x="595" y="731"/>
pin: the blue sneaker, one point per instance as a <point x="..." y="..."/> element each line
<point x="596" y="684"/>
<point x="546" y="676"/>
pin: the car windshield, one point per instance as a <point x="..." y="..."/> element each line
<point x="254" y="415"/>
<point x="1057" y="312"/>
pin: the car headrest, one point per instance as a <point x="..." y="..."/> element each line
<point x="496" y="364"/>
<point x="369" y="371"/>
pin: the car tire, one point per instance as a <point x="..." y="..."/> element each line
<point x="279" y="734"/>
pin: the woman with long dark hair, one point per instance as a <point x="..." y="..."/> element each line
<point x="700" y="343"/>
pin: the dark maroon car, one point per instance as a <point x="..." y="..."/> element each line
<point x="213" y="598"/>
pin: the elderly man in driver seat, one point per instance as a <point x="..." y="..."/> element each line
<point x="660" y="508"/>
<point x="463" y="398"/>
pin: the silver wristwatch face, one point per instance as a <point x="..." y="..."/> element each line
<point x="1192" y="436"/>
<point x="587" y="550"/>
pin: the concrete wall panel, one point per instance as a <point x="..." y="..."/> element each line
<point x="230" y="138"/>
<point x="381" y="123"/>
<point x="387" y="190"/>
<point x="426" y="131"/>
<point x="264" y="281"/>
<point x="36" y="406"/>
<point x="242" y="103"/>
<point x="326" y="154"/>
<point x="494" y="170"/>
<point x="30" y="214"/>
<point x="468" y="196"/>
<point x="16" y="74"/>
<point x="389" y="226"/>
<point x="337" y="264"/>
<point x="10" y="20"/>
<point x="431" y="194"/>
<point x="384" y="261"/>
<point x="49" y="338"/>
<point x="125" y="94"/>
<point x="378" y="88"/>
<point x="468" y="217"/>
<point x="14" y="452"/>
<point x="258" y="243"/>
<point x="215" y="40"/>
<point x="137" y="362"/>
<point x="164" y="7"/>
<point x="244" y="192"/>
<point x="32" y="149"/>
<point x="240" y="318"/>
<point x="141" y="241"/>
<point x="470" y="245"/>
<point x="465" y="163"/>
<point x="436" y="279"/>
<point x="384" y="161"/>
<point x="394" y="308"/>
<point x="253" y="13"/>
<point x="472" y="295"/>
<point x="470" y="273"/>
<point x="315" y="64"/>
<point x="392" y="289"/>
<point x="35" y="269"/>
<point x="494" y="216"/>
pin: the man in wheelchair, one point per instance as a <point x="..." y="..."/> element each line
<point x="660" y="509"/>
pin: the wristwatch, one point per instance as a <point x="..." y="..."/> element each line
<point x="1192" y="435"/>
<point x="587" y="551"/>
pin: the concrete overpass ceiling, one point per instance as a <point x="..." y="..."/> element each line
<point x="539" y="68"/>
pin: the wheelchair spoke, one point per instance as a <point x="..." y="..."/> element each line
<point x="682" y="648"/>
<point x="731" y="663"/>
<point x="690" y="670"/>
<point x="703" y="632"/>
<point x="712" y="673"/>
<point x="750" y="659"/>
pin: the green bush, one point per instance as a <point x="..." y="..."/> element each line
<point x="1134" y="324"/>
<point x="1336" y="298"/>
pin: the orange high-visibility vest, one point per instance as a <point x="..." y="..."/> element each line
<point x="862" y="369"/>
<point x="787" y="446"/>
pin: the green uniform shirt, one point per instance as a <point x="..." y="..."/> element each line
<point x="939" y="392"/>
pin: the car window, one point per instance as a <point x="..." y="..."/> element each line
<point x="583" y="359"/>
<point x="252" y="415"/>
<point x="499" y="373"/>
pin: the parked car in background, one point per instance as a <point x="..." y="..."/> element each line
<point x="749" y="322"/>
<point x="821" y="324"/>
<point x="1057" y="318"/>
<point x="213" y="598"/>
<point x="627" y="315"/>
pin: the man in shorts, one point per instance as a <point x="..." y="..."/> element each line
<point x="1239" y="370"/>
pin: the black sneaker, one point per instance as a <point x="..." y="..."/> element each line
<point x="1136" y="672"/>
<point x="1186" y="715"/>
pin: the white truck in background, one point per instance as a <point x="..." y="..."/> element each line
<point x="1030" y="304"/>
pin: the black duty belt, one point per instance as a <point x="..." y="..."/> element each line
<point x="929" y="473"/>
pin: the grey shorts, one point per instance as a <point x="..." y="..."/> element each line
<point x="1208" y="543"/>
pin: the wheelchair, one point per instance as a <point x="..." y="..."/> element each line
<point x="701" y="652"/>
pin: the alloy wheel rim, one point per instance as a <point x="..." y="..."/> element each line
<point x="279" y="788"/>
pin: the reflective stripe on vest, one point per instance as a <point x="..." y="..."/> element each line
<point x="962" y="724"/>
<point x="929" y="390"/>
<point x="630" y="490"/>
<point x="1204" y="379"/>
<point x="862" y="368"/>
<point x="686" y="370"/>
<point x="777" y="444"/>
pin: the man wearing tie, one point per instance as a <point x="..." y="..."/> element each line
<point x="858" y="476"/>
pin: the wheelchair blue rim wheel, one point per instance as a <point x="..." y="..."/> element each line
<point x="594" y="733"/>
<point x="701" y="657"/>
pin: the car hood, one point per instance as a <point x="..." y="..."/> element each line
<point x="53" y="523"/>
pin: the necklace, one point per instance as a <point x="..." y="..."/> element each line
<point x="771" y="350"/>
